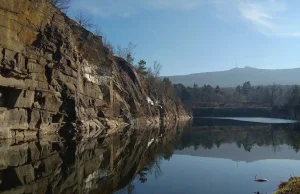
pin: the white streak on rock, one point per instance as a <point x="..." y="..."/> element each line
<point x="150" y="101"/>
<point x="150" y="142"/>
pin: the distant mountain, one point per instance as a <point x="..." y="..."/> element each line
<point x="237" y="76"/>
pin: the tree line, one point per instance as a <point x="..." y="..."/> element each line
<point x="245" y="94"/>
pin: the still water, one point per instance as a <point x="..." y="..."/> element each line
<point x="258" y="120"/>
<point x="209" y="156"/>
<point x="216" y="156"/>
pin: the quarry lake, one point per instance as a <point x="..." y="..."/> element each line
<point x="224" y="155"/>
<point x="209" y="155"/>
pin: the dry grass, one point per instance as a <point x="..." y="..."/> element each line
<point x="290" y="187"/>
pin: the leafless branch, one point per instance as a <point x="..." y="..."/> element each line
<point x="98" y="31"/>
<point x="127" y="53"/>
<point x="63" y="5"/>
<point x="156" y="69"/>
<point x="108" y="44"/>
<point x="83" y="20"/>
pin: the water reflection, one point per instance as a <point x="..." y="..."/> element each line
<point x="258" y="120"/>
<point x="128" y="163"/>
<point x="245" y="135"/>
<point x="223" y="156"/>
<point x="85" y="165"/>
<point x="243" y="138"/>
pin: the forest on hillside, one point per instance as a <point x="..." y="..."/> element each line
<point x="242" y="95"/>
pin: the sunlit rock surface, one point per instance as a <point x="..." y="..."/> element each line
<point x="54" y="74"/>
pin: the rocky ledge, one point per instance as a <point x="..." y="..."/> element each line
<point x="57" y="77"/>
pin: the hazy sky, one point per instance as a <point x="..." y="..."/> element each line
<point x="190" y="36"/>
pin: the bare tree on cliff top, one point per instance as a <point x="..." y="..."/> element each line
<point x="156" y="69"/>
<point x="83" y="20"/>
<point x="63" y="5"/>
<point x="127" y="53"/>
<point x="108" y="44"/>
<point x="98" y="31"/>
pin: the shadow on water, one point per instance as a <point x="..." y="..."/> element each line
<point x="121" y="162"/>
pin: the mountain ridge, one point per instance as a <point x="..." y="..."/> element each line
<point x="237" y="76"/>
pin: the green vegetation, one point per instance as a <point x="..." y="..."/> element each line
<point x="160" y="88"/>
<point x="243" y="95"/>
<point x="141" y="67"/>
<point x="290" y="187"/>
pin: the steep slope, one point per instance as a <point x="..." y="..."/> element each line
<point x="237" y="76"/>
<point x="56" y="77"/>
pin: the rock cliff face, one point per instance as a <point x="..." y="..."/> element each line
<point x="56" y="76"/>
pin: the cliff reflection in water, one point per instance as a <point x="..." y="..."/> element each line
<point x="118" y="162"/>
<point x="87" y="165"/>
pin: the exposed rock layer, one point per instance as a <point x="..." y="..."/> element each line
<point x="55" y="75"/>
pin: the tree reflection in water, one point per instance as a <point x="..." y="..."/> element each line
<point x="245" y="137"/>
<point x="117" y="162"/>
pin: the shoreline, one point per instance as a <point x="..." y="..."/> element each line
<point x="291" y="186"/>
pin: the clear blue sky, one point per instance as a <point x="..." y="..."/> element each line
<point x="191" y="36"/>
